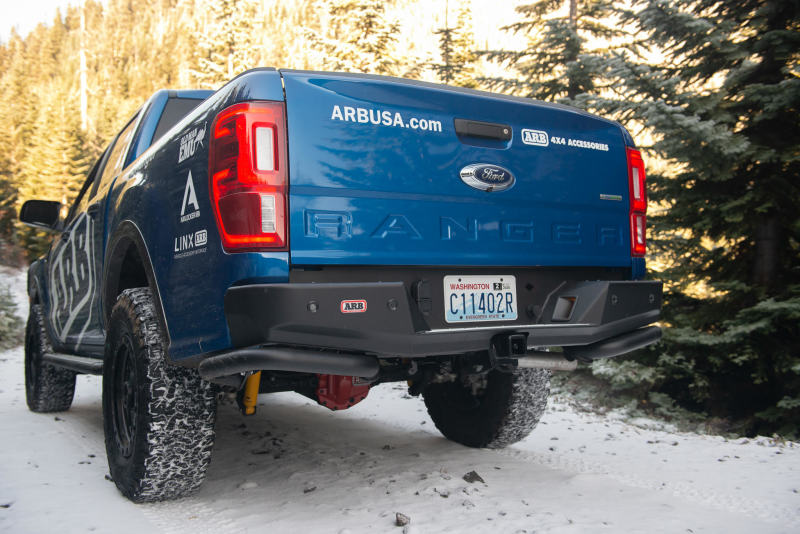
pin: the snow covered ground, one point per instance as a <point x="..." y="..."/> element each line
<point x="296" y="467"/>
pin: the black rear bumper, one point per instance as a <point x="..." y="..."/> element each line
<point x="394" y="323"/>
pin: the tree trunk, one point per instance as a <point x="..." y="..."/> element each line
<point x="572" y="86"/>
<point x="767" y="241"/>
<point x="573" y="14"/>
<point x="83" y="89"/>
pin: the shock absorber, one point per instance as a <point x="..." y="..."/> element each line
<point x="250" y="398"/>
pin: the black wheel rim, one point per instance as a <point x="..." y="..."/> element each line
<point x="125" y="403"/>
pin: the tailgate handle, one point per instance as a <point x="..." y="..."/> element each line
<point x="488" y="130"/>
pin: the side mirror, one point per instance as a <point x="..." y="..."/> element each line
<point x="41" y="213"/>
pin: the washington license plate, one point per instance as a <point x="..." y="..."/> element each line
<point x="480" y="298"/>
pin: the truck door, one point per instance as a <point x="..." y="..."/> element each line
<point x="76" y="259"/>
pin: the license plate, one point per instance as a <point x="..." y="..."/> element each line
<point x="480" y="298"/>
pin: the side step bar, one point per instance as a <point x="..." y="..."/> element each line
<point x="288" y="359"/>
<point x="79" y="364"/>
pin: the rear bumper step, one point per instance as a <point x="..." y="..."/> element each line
<point x="288" y="359"/>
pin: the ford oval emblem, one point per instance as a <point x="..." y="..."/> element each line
<point x="487" y="177"/>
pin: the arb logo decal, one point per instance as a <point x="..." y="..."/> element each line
<point x="354" y="306"/>
<point x="535" y="137"/>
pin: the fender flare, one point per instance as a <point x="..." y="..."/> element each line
<point x="127" y="236"/>
<point x="34" y="283"/>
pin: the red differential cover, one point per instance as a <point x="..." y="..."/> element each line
<point x="340" y="392"/>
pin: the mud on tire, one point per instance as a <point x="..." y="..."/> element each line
<point x="502" y="410"/>
<point x="47" y="388"/>
<point x="158" y="418"/>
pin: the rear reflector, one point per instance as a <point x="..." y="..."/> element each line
<point x="638" y="234"/>
<point x="268" y="214"/>
<point x="638" y="209"/>
<point x="247" y="169"/>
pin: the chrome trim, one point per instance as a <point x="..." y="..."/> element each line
<point x="469" y="177"/>
<point x="507" y="327"/>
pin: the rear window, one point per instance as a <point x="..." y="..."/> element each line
<point x="174" y="111"/>
<point x="114" y="164"/>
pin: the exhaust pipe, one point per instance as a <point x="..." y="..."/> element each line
<point x="546" y="360"/>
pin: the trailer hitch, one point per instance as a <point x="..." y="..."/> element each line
<point x="505" y="349"/>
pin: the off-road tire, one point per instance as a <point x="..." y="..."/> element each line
<point x="158" y="418"/>
<point x="47" y="388"/>
<point x="503" y="412"/>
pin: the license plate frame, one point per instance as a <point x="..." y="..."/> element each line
<point x="482" y="296"/>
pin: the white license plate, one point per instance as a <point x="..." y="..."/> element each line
<point x="480" y="298"/>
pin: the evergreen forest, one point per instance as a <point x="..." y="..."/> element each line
<point x="710" y="90"/>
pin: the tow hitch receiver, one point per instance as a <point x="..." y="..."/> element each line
<point x="510" y="345"/>
<point x="337" y="392"/>
<point x="504" y="350"/>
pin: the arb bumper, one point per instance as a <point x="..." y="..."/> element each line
<point x="595" y="319"/>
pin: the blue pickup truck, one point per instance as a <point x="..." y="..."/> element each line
<point x="324" y="233"/>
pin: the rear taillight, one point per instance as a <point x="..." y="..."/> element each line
<point x="638" y="212"/>
<point x="247" y="171"/>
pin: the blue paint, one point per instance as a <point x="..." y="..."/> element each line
<point x="638" y="268"/>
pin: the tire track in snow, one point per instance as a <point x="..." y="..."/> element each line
<point x="83" y="425"/>
<point x="772" y="513"/>
<point x="188" y="516"/>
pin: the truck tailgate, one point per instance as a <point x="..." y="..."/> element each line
<point x="375" y="177"/>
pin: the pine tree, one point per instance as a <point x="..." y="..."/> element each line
<point x="59" y="163"/>
<point x="286" y="44"/>
<point x="11" y="326"/>
<point x="457" y="48"/>
<point x="8" y="183"/>
<point x="64" y="158"/>
<point x="226" y="41"/>
<point x="561" y="60"/>
<point x="360" y="38"/>
<point x="17" y="124"/>
<point x="723" y="108"/>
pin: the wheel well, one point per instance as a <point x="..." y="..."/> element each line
<point x="126" y="272"/>
<point x="34" y="297"/>
<point x="131" y="273"/>
<point x="127" y="266"/>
